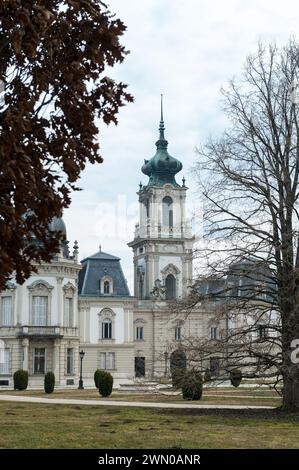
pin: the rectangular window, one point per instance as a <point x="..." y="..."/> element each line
<point x="7" y="313"/>
<point x="68" y="311"/>
<point x="70" y="361"/>
<point x="177" y="333"/>
<point x="102" y="360"/>
<point x="214" y="332"/>
<point x="262" y="332"/>
<point x="139" y="333"/>
<point x="107" y="360"/>
<point x="39" y="310"/>
<point x="39" y="361"/>
<point x="4" y="361"/>
<point x="107" y="329"/>
<point x="110" y="361"/>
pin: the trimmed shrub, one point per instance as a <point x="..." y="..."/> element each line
<point x="235" y="377"/>
<point x="192" y="385"/>
<point x="49" y="382"/>
<point x="96" y="377"/>
<point x="207" y="376"/>
<point x="20" y="379"/>
<point x="105" y="383"/>
<point x="177" y="376"/>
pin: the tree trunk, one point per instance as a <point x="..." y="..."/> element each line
<point x="291" y="392"/>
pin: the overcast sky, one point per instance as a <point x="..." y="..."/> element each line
<point x="187" y="50"/>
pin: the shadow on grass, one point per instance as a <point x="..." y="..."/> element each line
<point x="277" y="414"/>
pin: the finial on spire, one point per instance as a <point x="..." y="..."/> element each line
<point x="184" y="181"/>
<point x="75" y="251"/>
<point x="100" y="247"/>
<point x="140" y="186"/>
<point x="162" y="142"/>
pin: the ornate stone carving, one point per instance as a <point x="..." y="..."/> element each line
<point x="69" y="288"/>
<point x="140" y="320"/>
<point x="170" y="269"/>
<point x="40" y="285"/>
<point x="107" y="313"/>
<point x="158" y="291"/>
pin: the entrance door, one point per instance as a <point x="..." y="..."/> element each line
<point x="139" y="366"/>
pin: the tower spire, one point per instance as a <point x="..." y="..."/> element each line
<point x="162" y="142"/>
<point x="162" y="168"/>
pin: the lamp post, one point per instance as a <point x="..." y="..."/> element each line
<point x="165" y="358"/>
<point x="81" y="354"/>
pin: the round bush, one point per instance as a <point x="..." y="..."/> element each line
<point x="192" y="385"/>
<point x="235" y="377"/>
<point x="105" y="383"/>
<point x="49" y="382"/>
<point x="20" y="379"/>
<point x="177" y="376"/>
<point x="96" y="377"/>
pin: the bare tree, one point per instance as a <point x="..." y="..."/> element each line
<point x="249" y="179"/>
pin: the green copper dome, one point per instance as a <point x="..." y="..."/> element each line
<point x="162" y="168"/>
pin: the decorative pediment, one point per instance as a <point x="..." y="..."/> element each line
<point x="140" y="320"/>
<point x="168" y="188"/>
<point x="107" y="313"/>
<point x="178" y="323"/>
<point x="69" y="288"/>
<point x="40" y="286"/>
<point x="10" y="286"/>
<point x="170" y="269"/>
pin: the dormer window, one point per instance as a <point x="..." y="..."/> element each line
<point x="106" y="285"/>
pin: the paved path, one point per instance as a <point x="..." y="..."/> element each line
<point x="139" y="404"/>
<point x="256" y="397"/>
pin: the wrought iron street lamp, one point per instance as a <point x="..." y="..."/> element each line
<point x="81" y="354"/>
<point x="165" y="358"/>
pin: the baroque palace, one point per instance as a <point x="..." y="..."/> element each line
<point x="68" y="306"/>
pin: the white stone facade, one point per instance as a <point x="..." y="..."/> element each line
<point x="39" y="331"/>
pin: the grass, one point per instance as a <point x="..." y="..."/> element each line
<point x="28" y="425"/>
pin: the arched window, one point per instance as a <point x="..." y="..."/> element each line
<point x="170" y="285"/>
<point x="107" y="329"/>
<point x="106" y="287"/>
<point x="167" y="212"/>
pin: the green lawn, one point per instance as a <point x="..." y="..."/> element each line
<point x="25" y="425"/>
